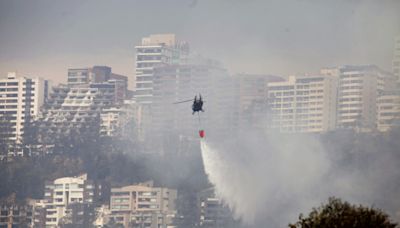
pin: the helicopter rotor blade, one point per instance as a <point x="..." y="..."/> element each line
<point x="182" y="101"/>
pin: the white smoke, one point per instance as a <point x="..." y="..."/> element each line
<point x="271" y="179"/>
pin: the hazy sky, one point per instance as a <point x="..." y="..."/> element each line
<point x="46" y="37"/>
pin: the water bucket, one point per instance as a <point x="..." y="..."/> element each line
<point x="201" y="133"/>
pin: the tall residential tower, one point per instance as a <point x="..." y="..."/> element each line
<point x="20" y="101"/>
<point x="155" y="50"/>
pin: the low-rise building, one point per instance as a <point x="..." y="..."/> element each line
<point x="67" y="198"/>
<point x="143" y="205"/>
<point x="15" y="215"/>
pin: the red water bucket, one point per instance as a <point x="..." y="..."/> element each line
<point x="201" y="133"/>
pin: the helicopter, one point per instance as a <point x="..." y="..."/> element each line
<point x="197" y="106"/>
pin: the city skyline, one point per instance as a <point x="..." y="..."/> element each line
<point x="199" y="113"/>
<point x="293" y="36"/>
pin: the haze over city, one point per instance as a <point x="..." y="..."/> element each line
<point x="199" y="113"/>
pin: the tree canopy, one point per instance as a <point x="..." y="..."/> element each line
<point x="339" y="214"/>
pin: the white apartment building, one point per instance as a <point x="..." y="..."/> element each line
<point x="143" y="205"/>
<point x="20" y="101"/>
<point x="396" y="59"/>
<point x="303" y="104"/>
<point x="64" y="192"/>
<point x="388" y="110"/>
<point x="359" y="87"/>
<point x="155" y="50"/>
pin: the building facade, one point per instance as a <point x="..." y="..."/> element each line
<point x="155" y="50"/>
<point x="303" y="104"/>
<point x="359" y="88"/>
<point x="65" y="196"/>
<point x="75" y="109"/>
<point x="99" y="77"/>
<point x="16" y="216"/>
<point x="20" y="101"/>
<point x="143" y="206"/>
<point x="388" y="113"/>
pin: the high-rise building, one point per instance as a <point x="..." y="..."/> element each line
<point x="20" y="101"/>
<point x="303" y="104"/>
<point x="251" y="99"/>
<point x="359" y="88"/>
<point x="396" y="59"/>
<point x="143" y="205"/>
<point x="155" y="50"/>
<point x="65" y="195"/>
<point x="388" y="114"/>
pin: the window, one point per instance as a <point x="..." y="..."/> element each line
<point x="58" y="186"/>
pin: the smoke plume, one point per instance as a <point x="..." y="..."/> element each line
<point x="269" y="179"/>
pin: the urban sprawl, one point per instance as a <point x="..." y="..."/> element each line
<point x="36" y="116"/>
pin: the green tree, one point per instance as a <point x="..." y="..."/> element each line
<point x="338" y="214"/>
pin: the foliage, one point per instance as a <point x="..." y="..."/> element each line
<point x="338" y="214"/>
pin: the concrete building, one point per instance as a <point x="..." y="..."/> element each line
<point x="388" y="110"/>
<point x="143" y="205"/>
<point x="155" y="50"/>
<point x="75" y="109"/>
<point x="396" y="58"/>
<point x="16" y="216"/>
<point x="20" y="101"/>
<point x="39" y="213"/>
<point x="24" y="214"/>
<point x="99" y="77"/>
<point x="88" y="75"/>
<point x="251" y="99"/>
<point x="65" y="195"/>
<point x="79" y="76"/>
<point x="359" y="88"/>
<point x="303" y="104"/>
